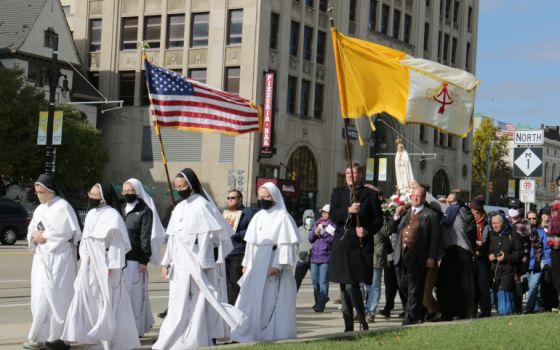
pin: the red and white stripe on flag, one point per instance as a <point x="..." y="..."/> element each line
<point x="182" y="103"/>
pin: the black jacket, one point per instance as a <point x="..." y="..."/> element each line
<point x="139" y="225"/>
<point x="238" y="239"/>
<point x="510" y="243"/>
<point x="351" y="263"/>
<point x="428" y="239"/>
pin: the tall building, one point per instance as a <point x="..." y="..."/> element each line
<point x="230" y="44"/>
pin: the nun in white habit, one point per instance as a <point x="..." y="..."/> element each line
<point x="101" y="313"/>
<point x="268" y="288"/>
<point x="146" y="234"/>
<point x="193" y="263"/>
<point x="53" y="235"/>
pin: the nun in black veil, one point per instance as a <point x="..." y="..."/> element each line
<point x="101" y="292"/>
<point x="194" y="264"/>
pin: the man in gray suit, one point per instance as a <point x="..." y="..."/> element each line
<point x="415" y="251"/>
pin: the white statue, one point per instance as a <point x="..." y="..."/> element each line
<point x="403" y="169"/>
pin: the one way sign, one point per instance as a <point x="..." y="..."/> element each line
<point x="527" y="162"/>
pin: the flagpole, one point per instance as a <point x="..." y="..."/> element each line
<point x="144" y="45"/>
<point x="348" y="152"/>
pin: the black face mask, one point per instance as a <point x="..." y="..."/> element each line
<point x="129" y="197"/>
<point x="185" y="193"/>
<point x="93" y="203"/>
<point x="265" y="203"/>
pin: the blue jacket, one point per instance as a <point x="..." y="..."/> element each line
<point x="546" y="249"/>
<point x="238" y="238"/>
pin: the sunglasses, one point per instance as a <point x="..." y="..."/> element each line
<point x="230" y="198"/>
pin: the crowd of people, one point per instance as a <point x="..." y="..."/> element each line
<point x="234" y="276"/>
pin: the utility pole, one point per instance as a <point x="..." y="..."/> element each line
<point x="53" y="84"/>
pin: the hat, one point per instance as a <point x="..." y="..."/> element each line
<point x="325" y="208"/>
<point x="477" y="204"/>
<point x="546" y="210"/>
<point x="515" y="204"/>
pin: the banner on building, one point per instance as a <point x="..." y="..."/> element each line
<point x="57" y="128"/>
<point x="382" y="169"/>
<point x="268" y="113"/>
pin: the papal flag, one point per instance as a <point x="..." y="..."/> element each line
<point x="373" y="79"/>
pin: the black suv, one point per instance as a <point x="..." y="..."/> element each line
<point x="13" y="221"/>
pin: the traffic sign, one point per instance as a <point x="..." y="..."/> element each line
<point x="529" y="137"/>
<point x="527" y="162"/>
<point x="527" y="189"/>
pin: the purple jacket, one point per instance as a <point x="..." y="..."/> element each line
<point x="321" y="249"/>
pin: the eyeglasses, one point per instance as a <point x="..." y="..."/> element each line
<point x="231" y="198"/>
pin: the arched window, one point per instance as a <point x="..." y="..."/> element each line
<point x="303" y="169"/>
<point x="440" y="185"/>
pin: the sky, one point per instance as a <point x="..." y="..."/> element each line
<point x="518" y="61"/>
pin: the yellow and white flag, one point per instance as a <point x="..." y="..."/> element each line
<point x="373" y="79"/>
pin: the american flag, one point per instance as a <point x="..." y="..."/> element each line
<point x="506" y="129"/>
<point x="183" y="103"/>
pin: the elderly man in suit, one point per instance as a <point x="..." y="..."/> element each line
<point x="357" y="220"/>
<point x="415" y="251"/>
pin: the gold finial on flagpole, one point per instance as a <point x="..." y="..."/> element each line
<point x="330" y="11"/>
<point x="143" y="45"/>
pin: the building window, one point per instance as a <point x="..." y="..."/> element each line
<point x="231" y="79"/>
<point x="447" y="9"/>
<point x="396" y="23"/>
<point x="93" y="78"/>
<point x="318" y="104"/>
<point x="307" y="43"/>
<point x="436" y="136"/>
<point x="304" y="98"/>
<point x="456" y="12"/>
<point x="469" y="19"/>
<point x="440" y="35"/>
<point x="423" y="133"/>
<point x="468" y="60"/>
<point x="274" y="28"/>
<point x="466" y="144"/>
<point x="309" y="3"/>
<point x="321" y="46"/>
<point x="175" y="31"/>
<point x="126" y="87"/>
<point x="385" y="19"/>
<point x="427" y="3"/>
<point x="441" y="140"/>
<point x="152" y="31"/>
<point x="294" y="39"/>
<point x="95" y="35"/>
<point x="453" y="50"/>
<point x="235" y="27"/>
<point x="450" y="141"/>
<point x="199" y="29"/>
<point x="129" y="33"/>
<point x="352" y="14"/>
<point x="445" y="47"/>
<point x="372" y="15"/>
<point x="227" y="148"/>
<point x="407" y="26"/>
<point x="145" y="97"/>
<point x="426" y="36"/>
<point x="292" y="93"/>
<point x="198" y="74"/>
<point x="323" y="5"/>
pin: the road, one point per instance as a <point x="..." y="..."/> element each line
<point x="15" y="313"/>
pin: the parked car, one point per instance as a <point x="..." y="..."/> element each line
<point x="14" y="220"/>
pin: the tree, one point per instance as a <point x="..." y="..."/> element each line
<point x="484" y="137"/>
<point x="80" y="159"/>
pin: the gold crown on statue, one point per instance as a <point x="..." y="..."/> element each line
<point x="399" y="141"/>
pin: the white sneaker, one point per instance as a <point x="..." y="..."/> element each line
<point x="33" y="345"/>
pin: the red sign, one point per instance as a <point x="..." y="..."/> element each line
<point x="287" y="187"/>
<point x="266" y="140"/>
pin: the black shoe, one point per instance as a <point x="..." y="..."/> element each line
<point x="364" y="326"/>
<point x="401" y="314"/>
<point x="433" y="316"/>
<point x="57" y="345"/>
<point x="319" y="309"/>
<point x="370" y="319"/>
<point x="385" y="313"/>
<point x="483" y="314"/>
<point x="162" y="314"/>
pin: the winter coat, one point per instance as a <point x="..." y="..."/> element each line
<point x="321" y="249"/>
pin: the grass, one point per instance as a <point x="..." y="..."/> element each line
<point x="540" y="331"/>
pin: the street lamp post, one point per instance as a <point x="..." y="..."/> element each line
<point x="53" y="84"/>
<point x="488" y="174"/>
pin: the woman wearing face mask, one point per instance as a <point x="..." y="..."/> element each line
<point x="146" y="234"/>
<point x="194" y="265"/>
<point x="53" y="235"/>
<point x="101" y="302"/>
<point x="268" y="289"/>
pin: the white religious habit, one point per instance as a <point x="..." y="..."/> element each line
<point x="137" y="282"/>
<point x="268" y="303"/>
<point x="198" y="309"/>
<point x="53" y="269"/>
<point x="101" y="312"/>
<point x="403" y="169"/>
